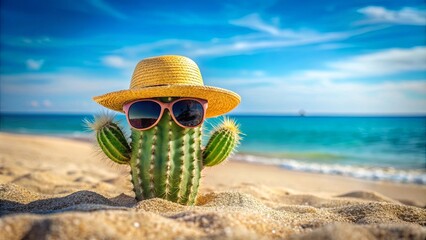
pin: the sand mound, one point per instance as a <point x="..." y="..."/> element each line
<point x="217" y="215"/>
<point x="372" y="196"/>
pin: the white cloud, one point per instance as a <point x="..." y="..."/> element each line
<point x="278" y="96"/>
<point x="268" y="35"/>
<point x="405" y="16"/>
<point x="385" y="62"/>
<point x="64" y="84"/>
<point x="260" y="93"/>
<point x="116" y="61"/>
<point x="62" y="92"/>
<point x="253" y="21"/>
<point x="275" y="38"/>
<point x="34" y="64"/>
<point x="39" y="40"/>
<point x="322" y="91"/>
<point x="245" y="44"/>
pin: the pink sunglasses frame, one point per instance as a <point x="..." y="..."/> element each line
<point x="163" y="106"/>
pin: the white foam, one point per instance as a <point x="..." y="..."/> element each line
<point x="369" y="173"/>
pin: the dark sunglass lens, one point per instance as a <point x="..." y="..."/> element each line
<point x="144" y="114"/>
<point x="188" y="113"/>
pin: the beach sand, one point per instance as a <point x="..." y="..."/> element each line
<point x="54" y="188"/>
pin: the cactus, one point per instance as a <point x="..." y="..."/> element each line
<point x="166" y="161"/>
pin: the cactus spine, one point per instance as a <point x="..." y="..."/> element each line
<point x="166" y="160"/>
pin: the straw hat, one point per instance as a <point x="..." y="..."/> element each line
<point x="170" y="76"/>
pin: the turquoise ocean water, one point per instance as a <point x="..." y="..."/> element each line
<point x="376" y="148"/>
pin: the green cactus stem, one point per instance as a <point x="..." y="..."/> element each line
<point x="111" y="139"/>
<point x="166" y="160"/>
<point x="223" y="141"/>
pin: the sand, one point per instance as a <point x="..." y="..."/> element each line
<point x="54" y="188"/>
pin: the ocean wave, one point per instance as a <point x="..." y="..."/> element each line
<point x="369" y="173"/>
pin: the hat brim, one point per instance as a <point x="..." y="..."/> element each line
<point x="220" y="101"/>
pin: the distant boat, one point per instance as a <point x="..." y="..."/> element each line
<point x="302" y="113"/>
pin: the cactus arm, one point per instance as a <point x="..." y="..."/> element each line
<point x="222" y="143"/>
<point x="111" y="139"/>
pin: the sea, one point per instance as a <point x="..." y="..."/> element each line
<point x="378" y="148"/>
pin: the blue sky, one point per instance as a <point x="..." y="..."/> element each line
<point x="339" y="57"/>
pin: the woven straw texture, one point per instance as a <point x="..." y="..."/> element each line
<point x="170" y="76"/>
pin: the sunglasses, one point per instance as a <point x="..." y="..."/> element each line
<point x="146" y="113"/>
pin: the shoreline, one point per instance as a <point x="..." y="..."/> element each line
<point x="277" y="176"/>
<point x="370" y="173"/>
<point x="307" y="182"/>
